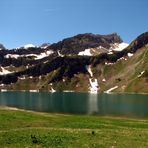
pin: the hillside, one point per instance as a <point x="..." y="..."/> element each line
<point x="83" y="63"/>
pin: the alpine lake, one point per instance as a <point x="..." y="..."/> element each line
<point x="103" y="104"/>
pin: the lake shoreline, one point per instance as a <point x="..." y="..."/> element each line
<point x="71" y="91"/>
<point x="7" y="108"/>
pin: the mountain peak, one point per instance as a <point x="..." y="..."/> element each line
<point x="112" y="38"/>
<point x="28" y="46"/>
<point x="45" y="45"/>
<point x="84" y="41"/>
<point x="139" y="42"/>
<point x="2" y="47"/>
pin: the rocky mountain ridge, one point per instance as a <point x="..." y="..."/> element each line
<point x="60" y="66"/>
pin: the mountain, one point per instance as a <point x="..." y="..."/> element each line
<point x="28" y="46"/>
<point x="112" y="66"/>
<point x="81" y="42"/>
<point x="45" y="45"/>
<point x="2" y="47"/>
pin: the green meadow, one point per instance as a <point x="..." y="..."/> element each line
<point x="31" y="129"/>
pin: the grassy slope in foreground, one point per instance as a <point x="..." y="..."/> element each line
<point x="53" y="130"/>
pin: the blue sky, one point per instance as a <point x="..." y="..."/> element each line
<point x="40" y="21"/>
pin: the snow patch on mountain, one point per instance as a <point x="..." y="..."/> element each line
<point x="37" y="56"/>
<point x="130" y="54"/>
<point x="15" y="56"/>
<point x="33" y="90"/>
<point x="100" y="49"/>
<point x="43" y="54"/>
<point x="118" y="47"/>
<point x="110" y="52"/>
<point x="86" y="52"/>
<point x="53" y="90"/>
<point x="4" y="71"/>
<point x="111" y="89"/>
<point x="88" y="67"/>
<point x="94" y="86"/>
<point x="28" y="46"/>
<point x="3" y="90"/>
<point x="61" y="55"/>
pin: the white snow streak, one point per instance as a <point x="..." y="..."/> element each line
<point x="37" y="56"/>
<point x="111" y="89"/>
<point x="88" y="67"/>
<point x="53" y="90"/>
<point x="61" y="55"/>
<point x="68" y="91"/>
<point x="94" y="87"/>
<point x="3" y="90"/>
<point x="4" y="71"/>
<point x="34" y="90"/>
<point x="15" y="56"/>
<point x="110" y="52"/>
<point x="141" y="74"/>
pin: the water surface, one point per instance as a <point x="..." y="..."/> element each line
<point x="128" y="105"/>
